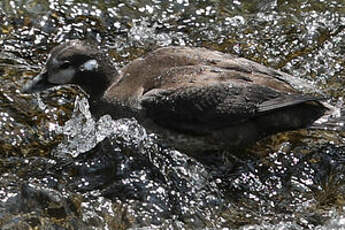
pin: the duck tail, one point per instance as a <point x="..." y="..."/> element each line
<point x="333" y="119"/>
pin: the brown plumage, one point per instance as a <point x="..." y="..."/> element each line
<point x="195" y="98"/>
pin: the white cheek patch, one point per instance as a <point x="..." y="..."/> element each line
<point x="62" y="76"/>
<point x="90" y="65"/>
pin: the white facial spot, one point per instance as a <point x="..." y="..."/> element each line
<point x="62" y="76"/>
<point x="90" y="65"/>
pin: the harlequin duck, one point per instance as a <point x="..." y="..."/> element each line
<point x="196" y="99"/>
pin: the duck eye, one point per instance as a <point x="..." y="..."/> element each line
<point x="65" y="65"/>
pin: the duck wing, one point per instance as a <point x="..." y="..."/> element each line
<point x="197" y="90"/>
<point x="172" y="67"/>
<point x="202" y="108"/>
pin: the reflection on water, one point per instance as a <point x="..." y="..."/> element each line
<point x="61" y="168"/>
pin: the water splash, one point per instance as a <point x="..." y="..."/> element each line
<point x="82" y="132"/>
<point x="180" y="185"/>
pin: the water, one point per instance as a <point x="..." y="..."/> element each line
<point x="166" y="183"/>
<point x="61" y="168"/>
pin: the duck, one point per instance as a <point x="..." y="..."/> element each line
<point x="195" y="99"/>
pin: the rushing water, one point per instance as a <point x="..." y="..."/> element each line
<point x="61" y="169"/>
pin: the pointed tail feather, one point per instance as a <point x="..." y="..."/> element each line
<point x="333" y="119"/>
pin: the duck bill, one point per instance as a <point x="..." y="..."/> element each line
<point x="38" y="84"/>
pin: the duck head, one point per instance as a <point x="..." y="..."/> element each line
<point x="74" y="62"/>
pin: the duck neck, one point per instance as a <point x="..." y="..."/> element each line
<point x="105" y="75"/>
<point x="95" y="91"/>
<point x="100" y="107"/>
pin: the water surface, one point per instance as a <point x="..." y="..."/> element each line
<point x="61" y="169"/>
